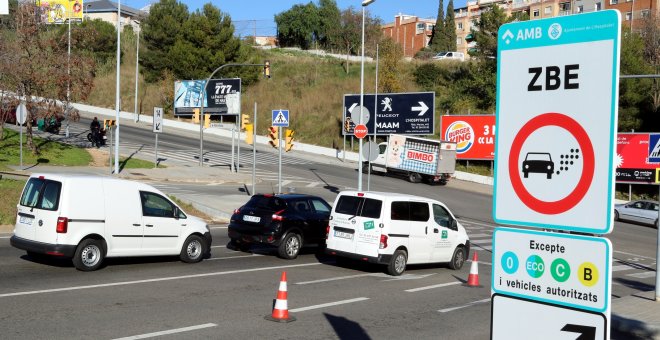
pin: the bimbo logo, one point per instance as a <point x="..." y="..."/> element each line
<point x="462" y="134"/>
<point x="420" y="156"/>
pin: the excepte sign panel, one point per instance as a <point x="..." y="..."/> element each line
<point x="556" y="122"/>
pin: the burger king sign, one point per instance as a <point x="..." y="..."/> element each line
<point x="474" y="135"/>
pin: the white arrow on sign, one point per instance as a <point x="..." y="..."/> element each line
<point x="422" y="108"/>
<point x="350" y="109"/>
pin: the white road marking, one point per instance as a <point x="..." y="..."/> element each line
<point x="312" y="184"/>
<point x="621" y="267"/>
<point x="464" y="306"/>
<point x="481" y="240"/>
<point x="232" y="257"/>
<point x="286" y="182"/>
<point x="160" y="279"/>
<point x="225" y="227"/>
<point x="480" y="235"/>
<point x="339" y="278"/>
<point x="5" y="236"/>
<point x="635" y="255"/>
<point x="481" y="262"/>
<point x="218" y="246"/>
<point x="477" y="223"/>
<point x="171" y="331"/>
<point x="484" y="247"/>
<point x="432" y="287"/>
<point x="329" y="304"/>
<point x="643" y="275"/>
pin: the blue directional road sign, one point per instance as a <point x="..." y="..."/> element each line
<point x="401" y="113"/>
<point x="654" y="148"/>
<point x="280" y="118"/>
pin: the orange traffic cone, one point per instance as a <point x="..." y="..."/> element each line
<point x="281" y="309"/>
<point x="473" y="278"/>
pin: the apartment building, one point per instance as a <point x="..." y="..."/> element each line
<point x="411" y="32"/>
<point x="633" y="12"/>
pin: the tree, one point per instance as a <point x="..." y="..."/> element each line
<point x="437" y="37"/>
<point x="329" y="25"/>
<point x="298" y="25"/>
<point x="485" y="33"/>
<point x="351" y="33"/>
<point x="450" y="28"/>
<point x="94" y="38"/>
<point x="390" y="70"/>
<point x="160" y="32"/>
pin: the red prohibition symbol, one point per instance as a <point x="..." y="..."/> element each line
<point x="588" y="159"/>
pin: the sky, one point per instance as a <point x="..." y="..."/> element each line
<point x="244" y="13"/>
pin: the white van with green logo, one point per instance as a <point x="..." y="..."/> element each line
<point x="395" y="230"/>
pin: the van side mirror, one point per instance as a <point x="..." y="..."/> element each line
<point x="454" y="225"/>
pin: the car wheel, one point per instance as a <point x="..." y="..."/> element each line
<point x="290" y="246"/>
<point x="458" y="259"/>
<point x="398" y="263"/>
<point x="414" y="177"/>
<point x="193" y="249"/>
<point x="89" y="138"/>
<point x="89" y="255"/>
<point x="616" y="215"/>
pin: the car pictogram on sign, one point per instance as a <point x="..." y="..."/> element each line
<point x="538" y="162"/>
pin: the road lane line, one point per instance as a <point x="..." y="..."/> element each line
<point x="481" y="240"/>
<point x="168" y="278"/>
<point x="218" y="227"/>
<point x="338" y="278"/>
<point x="643" y="275"/>
<point x="635" y="255"/>
<point x="171" y="331"/>
<point x="480" y="235"/>
<point x="477" y="223"/>
<point x="464" y="306"/>
<point x="481" y="262"/>
<point x="218" y="246"/>
<point x="432" y="287"/>
<point x="621" y="267"/>
<point x="329" y="304"/>
<point x="5" y="236"/>
<point x="232" y="257"/>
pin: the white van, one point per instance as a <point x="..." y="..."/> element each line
<point x="395" y="229"/>
<point x="88" y="218"/>
<point x="449" y="56"/>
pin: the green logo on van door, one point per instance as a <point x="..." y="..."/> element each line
<point x="444" y="234"/>
<point x="369" y="225"/>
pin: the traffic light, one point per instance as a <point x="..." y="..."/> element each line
<point x="245" y="120"/>
<point x="248" y="133"/>
<point x="347" y="125"/>
<point x="289" y="140"/>
<point x="267" y="69"/>
<point x="274" y="136"/>
<point x="196" y="116"/>
<point x="107" y="123"/>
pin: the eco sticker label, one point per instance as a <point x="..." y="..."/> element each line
<point x="444" y="234"/>
<point x="369" y="225"/>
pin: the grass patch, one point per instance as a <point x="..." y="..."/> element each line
<point x="474" y="167"/>
<point x="50" y="152"/>
<point x="188" y="208"/>
<point x="10" y="191"/>
<point x="135" y="163"/>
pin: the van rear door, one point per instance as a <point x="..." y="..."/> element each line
<point x="38" y="210"/>
<point x="355" y="225"/>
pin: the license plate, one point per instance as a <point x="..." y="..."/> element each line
<point x="342" y="234"/>
<point x="25" y="220"/>
<point x="251" y="218"/>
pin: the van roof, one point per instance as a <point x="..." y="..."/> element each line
<point x="64" y="177"/>
<point x="383" y="194"/>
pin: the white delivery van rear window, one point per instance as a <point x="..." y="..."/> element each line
<point x="41" y="194"/>
<point x="359" y="206"/>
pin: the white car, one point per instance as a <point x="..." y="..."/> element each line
<point x="88" y="218"/>
<point x="449" y="56"/>
<point x="394" y="230"/>
<point x="645" y="212"/>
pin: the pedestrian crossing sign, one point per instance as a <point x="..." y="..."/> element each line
<point x="280" y="118"/>
<point x="654" y="148"/>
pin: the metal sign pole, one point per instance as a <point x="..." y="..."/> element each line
<point x="254" y="151"/>
<point x="21" y="142"/>
<point x="109" y="129"/>
<point x="233" y="129"/>
<point x="279" y="167"/>
<point x="238" y="147"/>
<point x="156" y="162"/>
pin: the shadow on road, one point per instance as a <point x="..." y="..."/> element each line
<point x="346" y="329"/>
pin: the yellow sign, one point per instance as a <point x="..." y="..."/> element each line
<point x="657" y="175"/>
<point x="58" y="11"/>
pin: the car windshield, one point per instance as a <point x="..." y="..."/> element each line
<point x="536" y="156"/>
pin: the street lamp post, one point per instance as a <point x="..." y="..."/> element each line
<point x="137" y="66"/>
<point x="365" y="3"/>
<point x="117" y="88"/>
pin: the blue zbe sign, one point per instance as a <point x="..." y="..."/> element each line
<point x="398" y="113"/>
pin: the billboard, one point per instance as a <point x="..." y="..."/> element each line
<point x="188" y="96"/>
<point x="632" y="159"/>
<point x="474" y="135"/>
<point x="58" y="11"/>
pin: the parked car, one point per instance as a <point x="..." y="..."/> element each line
<point x="645" y="212"/>
<point x="287" y="221"/>
<point x="88" y="218"/>
<point x="449" y="56"/>
<point x="394" y="230"/>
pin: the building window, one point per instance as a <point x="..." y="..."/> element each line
<point x="598" y="6"/>
<point x="628" y="16"/>
<point x="646" y="13"/>
<point x="564" y="6"/>
<point x="614" y="2"/>
<point x="547" y="10"/>
<point x="420" y="28"/>
<point x="460" y="26"/>
<point x="580" y="9"/>
<point x="430" y="27"/>
<point x="459" y="41"/>
<point x="536" y="13"/>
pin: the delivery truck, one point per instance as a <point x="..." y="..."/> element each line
<point x="418" y="159"/>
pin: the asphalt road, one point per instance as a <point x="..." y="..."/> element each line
<point x="228" y="296"/>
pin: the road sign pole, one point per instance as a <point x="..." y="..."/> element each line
<point x="279" y="167"/>
<point x="254" y="151"/>
<point x="21" y="147"/>
<point x="238" y="147"/>
<point x="233" y="130"/>
<point x="156" y="162"/>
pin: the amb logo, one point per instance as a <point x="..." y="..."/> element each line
<point x="462" y="134"/>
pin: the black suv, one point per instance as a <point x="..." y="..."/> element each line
<point x="286" y="221"/>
